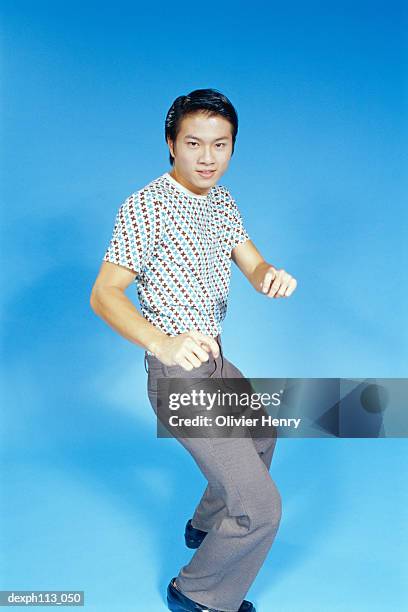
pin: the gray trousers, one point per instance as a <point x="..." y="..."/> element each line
<point x="241" y="505"/>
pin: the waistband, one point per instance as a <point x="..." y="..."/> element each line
<point x="217" y="339"/>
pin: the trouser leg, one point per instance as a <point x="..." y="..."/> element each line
<point x="224" y="566"/>
<point x="211" y="506"/>
<point x="241" y="509"/>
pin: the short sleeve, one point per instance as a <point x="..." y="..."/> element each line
<point x="136" y="233"/>
<point x="236" y="233"/>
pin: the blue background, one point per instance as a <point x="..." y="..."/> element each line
<point x="91" y="499"/>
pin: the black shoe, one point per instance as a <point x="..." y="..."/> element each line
<point x="193" y="536"/>
<point x="247" y="606"/>
<point x="177" y="602"/>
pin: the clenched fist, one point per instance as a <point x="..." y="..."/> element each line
<point x="189" y="350"/>
<point x="277" y="283"/>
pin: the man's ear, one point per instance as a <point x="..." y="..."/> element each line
<point x="171" y="147"/>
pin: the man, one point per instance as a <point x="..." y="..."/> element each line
<point x="176" y="238"/>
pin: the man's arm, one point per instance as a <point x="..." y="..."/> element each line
<point x="264" y="277"/>
<point x="108" y="301"/>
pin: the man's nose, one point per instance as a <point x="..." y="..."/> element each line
<point x="206" y="156"/>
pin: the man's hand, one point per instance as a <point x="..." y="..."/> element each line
<point x="189" y="350"/>
<point x="260" y="273"/>
<point x="277" y="283"/>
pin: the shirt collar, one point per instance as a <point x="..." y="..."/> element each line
<point x="183" y="189"/>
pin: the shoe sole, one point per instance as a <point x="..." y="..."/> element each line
<point x="175" y="607"/>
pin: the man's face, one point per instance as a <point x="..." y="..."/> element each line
<point x="203" y="144"/>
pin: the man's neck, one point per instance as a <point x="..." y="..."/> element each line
<point x="186" y="184"/>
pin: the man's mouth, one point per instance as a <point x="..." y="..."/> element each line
<point x="206" y="173"/>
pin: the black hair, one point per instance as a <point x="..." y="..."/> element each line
<point x="209" y="101"/>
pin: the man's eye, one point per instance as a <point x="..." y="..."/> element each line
<point x="192" y="143"/>
<point x="221" y="144"/>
